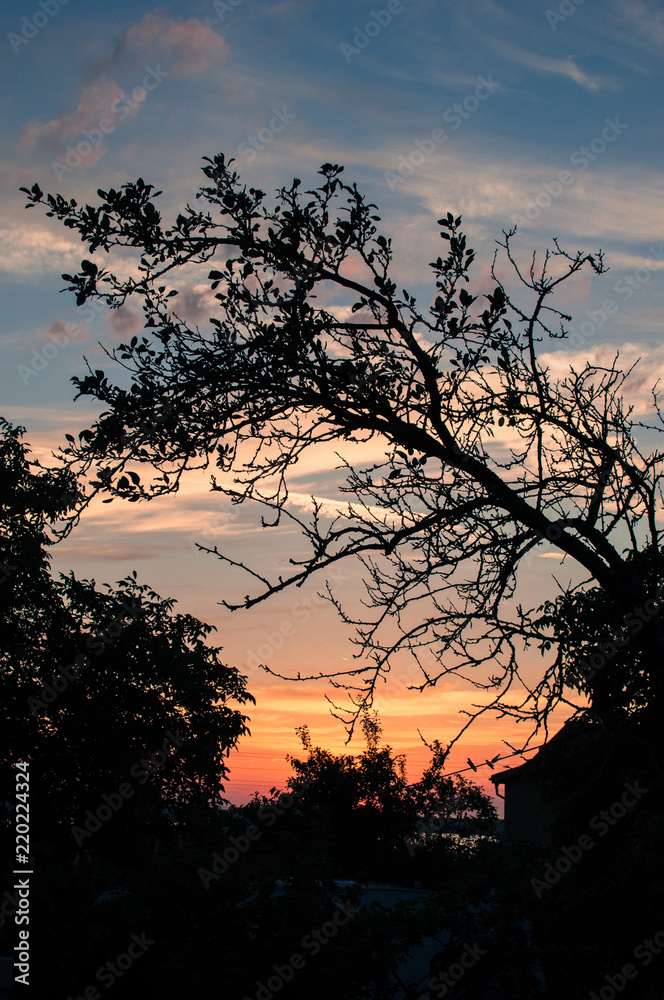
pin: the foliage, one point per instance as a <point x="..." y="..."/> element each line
<point x="377" y="822"/>
<point x="488" y="456"/>
<point x="253" y="913"/>
<point x="601" y="651"/>
<point x="93" y="682"/>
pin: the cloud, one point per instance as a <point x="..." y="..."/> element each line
<point x="195" y="304"/>
<point x="653" y="315"/>
<point x="60" y="330"/>
<point x="96" y="101"/>
<point x="156" y="48"/>
<point x="603" y="204"/>
<point x="646" y="18"/>
<point x="126" y="554"/>
<point x="194" y="46"/>
<point x="123" y="321"/>
<point x="31" y="252"/>
<point x="638" y="385"/>
<point x="547" y="64"/>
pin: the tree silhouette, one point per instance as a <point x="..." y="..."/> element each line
<point x="603" y="651"/>
<point x="377" y="820"/>
<point x="488" y="457"/>
<point x="100" y="687"/>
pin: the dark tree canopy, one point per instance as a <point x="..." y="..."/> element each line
<point x="375" y="814"/>
<point x="487" y="455"/>
<point x="602" y="650"/>
<point x="93" y="681"/>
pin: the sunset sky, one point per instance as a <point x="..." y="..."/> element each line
<point x="550" y="117"/>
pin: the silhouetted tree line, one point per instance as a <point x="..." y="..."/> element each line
<point x="127" y="715"/>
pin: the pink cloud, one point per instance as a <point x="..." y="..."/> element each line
<point x="123" y="321"/>
<point x="356" y="270"/>
<point x="652" y="315"/>
<point x="195" y="47"/>
<point x="158" y="44"/>
<point x="575" y="291"/>
<point x="60" y="331"/>
<point x="195" y="304"/>
<point x="95" y="102"/>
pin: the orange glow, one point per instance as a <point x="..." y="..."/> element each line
<point x="260" y="763"/>
<point x="295" y="631"/>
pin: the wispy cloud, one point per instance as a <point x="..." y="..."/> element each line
<point x="646" y="17"/>
<point x="159" y="45"/>
<point x="550" y="64"/>
<point x="649" y="369"/>
<point x="96" y="100"/>
<point x="61" y="331"/>
<point x="33" y="251"/>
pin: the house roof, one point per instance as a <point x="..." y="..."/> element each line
<point x="566" y="742"/>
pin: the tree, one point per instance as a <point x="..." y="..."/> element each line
<point x="602" y="651"/>
<point x="487" y="455"/>
<point x="100" y="688"/>
<point x="254" y="884"/>
<point x="377" y="819"/>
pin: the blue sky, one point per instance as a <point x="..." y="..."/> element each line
<point x="547" y="114"/>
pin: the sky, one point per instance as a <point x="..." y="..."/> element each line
<point x="548" y="117"/>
